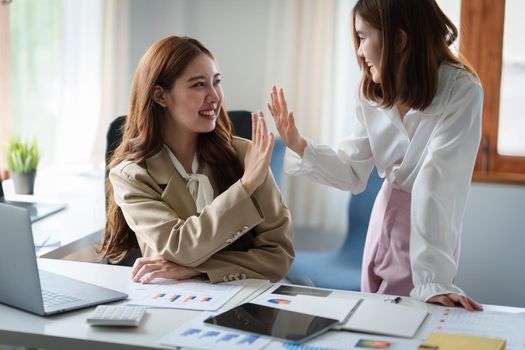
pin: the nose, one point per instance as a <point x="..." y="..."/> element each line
<point x="213" y="95"/>
<point x="360" y="51"/>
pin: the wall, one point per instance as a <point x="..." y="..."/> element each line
<point x="492" y="260"/>
<point x="235" y="31"/>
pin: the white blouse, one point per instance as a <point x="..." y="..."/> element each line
<point x="429" y="154"/>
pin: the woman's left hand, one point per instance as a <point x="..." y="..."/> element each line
<point x="147" y="269"/>
<point x="454" y="299"/>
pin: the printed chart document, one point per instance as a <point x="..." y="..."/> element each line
<point x="334" y="308"/>
<point x="509" y="327"/>
<point x="355" y="314"/>
<point x="199" y="335"/>
<point x="347" y="341"/>
<point x="188" y="294"/>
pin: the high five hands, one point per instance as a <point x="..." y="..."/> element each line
<point x="258" y="154"/>
<point x="285" y="122"/>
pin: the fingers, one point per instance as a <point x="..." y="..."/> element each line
<point x="465" y="302"/>
<point x="150" y="276"/>
<point x="282" y="103"/>
<point x="442" y="300"/>
<point x="477" y="306"/>
<point x="263" y="130"/>
<point x="275" y="101"/>
<point x="254" y="125"/>
<point x="453" y="299"/>
<point x="271" y="144"/>
<point x="259" y="130"/>
<point x="272" y="111"/>
<point x="145" y="269"/>
<point x="139" y="263"/>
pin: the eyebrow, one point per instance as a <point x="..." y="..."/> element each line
<point x="201" y="77"/>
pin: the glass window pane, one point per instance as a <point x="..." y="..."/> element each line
<point x="511" y="133"/>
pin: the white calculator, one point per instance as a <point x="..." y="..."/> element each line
<point x="116" y="315"/>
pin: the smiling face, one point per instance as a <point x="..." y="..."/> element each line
<point x="369" y="47"/>
<point x="194" y="102"/>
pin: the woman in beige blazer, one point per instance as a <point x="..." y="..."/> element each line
<point x="194" y="199"/>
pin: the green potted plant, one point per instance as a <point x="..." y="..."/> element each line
<point x="22" y="161"/>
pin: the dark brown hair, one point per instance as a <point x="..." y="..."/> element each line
<point x="408" y="76"/>
<point x="161" y="65"/>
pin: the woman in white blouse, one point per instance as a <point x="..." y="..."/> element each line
<point x="418" y="120"/>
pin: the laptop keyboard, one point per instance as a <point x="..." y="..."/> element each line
<point x="53" y="299"/>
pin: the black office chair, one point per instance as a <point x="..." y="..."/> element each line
<point x="242" y="125"/>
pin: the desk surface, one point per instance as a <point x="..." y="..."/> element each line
<point x="70" y="330"/>
<point x="76" y="227"/>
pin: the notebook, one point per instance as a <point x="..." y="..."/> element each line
<point x="27" y="288"/>
<point x="449" y="341"/>
<point x="379" y="317"/>
<point x="37" y="211"/>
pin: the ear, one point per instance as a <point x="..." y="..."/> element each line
<point x="401" y="40"/>
<point x="158" y="96"/>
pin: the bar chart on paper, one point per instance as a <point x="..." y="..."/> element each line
<point x="192" y="295"/>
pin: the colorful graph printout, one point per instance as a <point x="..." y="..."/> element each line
<point x="278" y="301"/>
<point x="192" y="295"/>
<point x="197" y="334"/>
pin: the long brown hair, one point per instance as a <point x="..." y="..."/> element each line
<point x="161" y="65"/>
<point x="408" y="76"/>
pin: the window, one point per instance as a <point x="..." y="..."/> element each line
<point x="4" y="78"/>
<point x="502" y="152"/>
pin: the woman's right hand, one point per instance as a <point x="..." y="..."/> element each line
<point x="453" y="299"/>
<point x="147" y="269"/>
<point x="258" y="154"/>
<point x="285" y="122"/>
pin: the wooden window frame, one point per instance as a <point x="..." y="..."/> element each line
<point x="481" y="43"/>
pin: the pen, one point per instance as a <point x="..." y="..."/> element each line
<point x="395" y="300"/>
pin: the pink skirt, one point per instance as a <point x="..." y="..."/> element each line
<point x="386" y="258"/>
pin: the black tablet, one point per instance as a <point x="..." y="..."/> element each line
<point x="265" y="320"/>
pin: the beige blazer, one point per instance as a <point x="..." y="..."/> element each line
<point x="236" y="236"/>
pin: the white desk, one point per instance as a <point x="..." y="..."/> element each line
<point x="70" y="330"/>
<point x="76" y="227"/>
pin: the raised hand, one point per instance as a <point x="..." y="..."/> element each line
<point x="258" y="154"/>
<point x="285" y="122"/>
<point x="146" y="270"/>
<point x="453" y="299"/>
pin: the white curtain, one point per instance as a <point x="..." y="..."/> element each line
<point x="82" y="77"/>
<point x="115" y="83"/>
<point x="313" y="60"/>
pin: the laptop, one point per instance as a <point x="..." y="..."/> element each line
<point x="37" y="211"/>
<point x="25" y="287"/>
